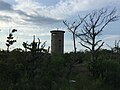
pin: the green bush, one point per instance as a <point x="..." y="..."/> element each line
<point x="108" y="70"/>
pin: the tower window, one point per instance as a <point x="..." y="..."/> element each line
<point x="53" y="34"/>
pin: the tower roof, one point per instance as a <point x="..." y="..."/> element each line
<point x="53" y="31"/>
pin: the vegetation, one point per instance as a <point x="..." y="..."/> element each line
<point x="23" y="71"/>
<point x="36" y="69"/>
<point x="10" y="39"/>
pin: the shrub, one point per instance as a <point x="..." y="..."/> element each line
<point x="108" y="70"/>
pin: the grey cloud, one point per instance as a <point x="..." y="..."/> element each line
<point x="41" y="20"/>
<point x="5" y="5"/>
<point x="21" y="12"/>
<point x="5" y="18"/>
<point x="36" y="19"/>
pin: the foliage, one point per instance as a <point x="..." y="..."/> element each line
<point x="19" y="70"/>
<point x="10" y="39"/>
<point x="108" y="70"/>
<point x="22" y="71"/>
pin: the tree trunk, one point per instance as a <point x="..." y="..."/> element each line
<point x="74" y="43"/>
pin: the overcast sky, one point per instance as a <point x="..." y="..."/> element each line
<point x="39" y="17"/>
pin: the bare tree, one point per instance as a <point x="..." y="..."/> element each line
<point x="94" y="24"/>
<point x="117" y="46"/>
<point x="73" y="29"/>
<point x="35" y="46"/>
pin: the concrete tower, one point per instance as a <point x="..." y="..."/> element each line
<point x="57" y="41"/>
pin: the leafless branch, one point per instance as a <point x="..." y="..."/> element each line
<point x="99" y="47"/>
<point x="85" y="46"/>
